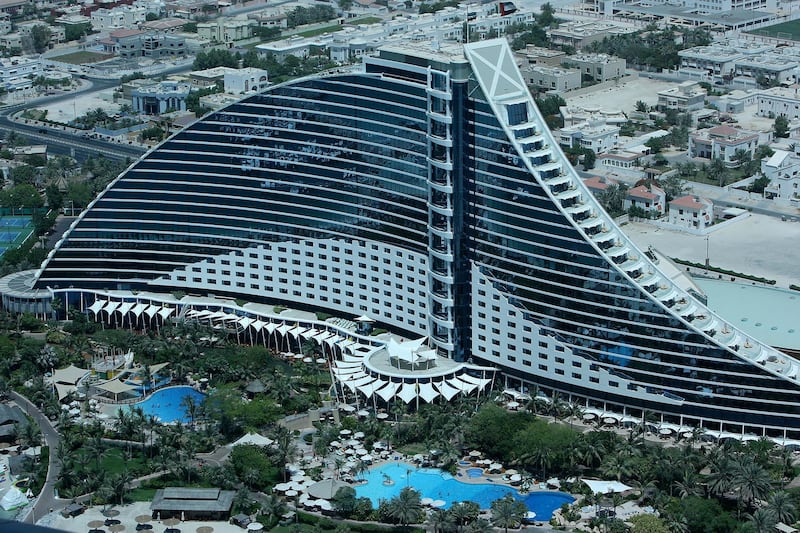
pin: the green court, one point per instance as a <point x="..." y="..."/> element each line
<point x="14" y="230"/>
<point x="789" y="31"/>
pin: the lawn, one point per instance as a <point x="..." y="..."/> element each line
<point x="83" y="57"/>
<point x="364" y="20"/>
<point x="785" y="30"/>
<point x="318" y="31"/>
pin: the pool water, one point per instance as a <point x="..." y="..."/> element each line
<point x="165" y="404"/>
<point x="474" y="472"/>
<point x="438" y="485"/>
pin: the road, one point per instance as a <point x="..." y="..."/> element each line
<point x="65" y="141"/>
<point x="47" y="498"/>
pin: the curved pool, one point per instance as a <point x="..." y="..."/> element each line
<point x="167" y="404"/>
<point x="438" y="485"/>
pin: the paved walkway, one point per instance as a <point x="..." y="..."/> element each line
<point x="47" y="499"/>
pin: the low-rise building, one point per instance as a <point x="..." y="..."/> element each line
<point x="578" y="34"/>
<point x="688" y="96"/>
<point x="598" y="67"/>
<point x="779" y="102"/>
<point x="192" y="503"/>
<point x="245" y="80"/>
<point x="691" y="211"/>
<point x="168" y="25"/>
<point x="123" y="16"/>
<point x="18" y="72"/>
<point x="136" y="43"/>
<point x="783" y="171"/>
<point x="293" y="46"/>
<point x="552" y="78"/>
<point x="598" y="184"/>
<point x="596" y="136"/>
<point x="226" y="30"/>
<point x="723" y="142"/>
<point x="574" y="115"/>
<point x="203" y="79"/>
<point x="159" y="98"/>
<point x="620" y="159"/>
<point x="57" y="33"/>
<point x="649" y="199"/>
<point x="537" y="55"/>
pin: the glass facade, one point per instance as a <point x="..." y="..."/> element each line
<point x="430" y="154"/>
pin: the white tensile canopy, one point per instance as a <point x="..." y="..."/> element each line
<point x="69" y="375"/>
<point x="97" y="306"/>
<point x="364" y="318"/>
<point x="115" y="387"/>
<point x="604" y="487"/>
<point x="13" y="498"/>
<point x="254" y="439"/>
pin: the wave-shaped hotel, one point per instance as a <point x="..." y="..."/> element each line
<point x="425" y="191"/>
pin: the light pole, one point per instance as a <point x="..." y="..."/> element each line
<point x="707" y="236"/>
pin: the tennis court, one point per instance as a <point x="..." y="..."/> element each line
<point x="14" y="231"/>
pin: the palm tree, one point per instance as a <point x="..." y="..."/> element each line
<point x="441" y="521"/>
<point x="688" y="485"/>
<point x="406" y="507"/>
<point x="781" y="506"/>
<point x="284" y="448"/>
<point x="273" y="508"/>
<point x="508" y="512"/>
<point x="762" y="521"/>
<point x="751" y="480"/>
<point x="190" y="407"/>
<point x="463" y="513"/>
<point x="481" y="525"/>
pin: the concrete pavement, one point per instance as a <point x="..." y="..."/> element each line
<point x="47" y="499"/>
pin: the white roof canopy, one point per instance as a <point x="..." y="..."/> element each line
<point x="604" y="487"/>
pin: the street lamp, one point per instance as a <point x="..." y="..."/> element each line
<point x="707" y="236"/>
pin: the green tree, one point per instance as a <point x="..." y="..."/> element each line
<point x="641" y="107"/>
<point x="344" y="501"/>
<point x="406" y="507"/>
<point x="781" y="126"/>
<point x="717" y="172"/>
<point x="41" y="34"/>
<point x="508" y="512"/>
<point x="762" y="521"/>
<point x="647" y="523"/>
<point x="782" y="507"/>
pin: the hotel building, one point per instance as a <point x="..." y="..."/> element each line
<point x="425" y="191"/>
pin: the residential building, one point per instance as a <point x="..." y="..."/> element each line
<point x="574" y="115"/>
<point x="246" y="80"/>
<point x="57" y="33"/>
<point x="598" y="184"/>
<point x="552" y="78"/>
<point x="18" y="72"/>
<point x="168" y="25"/>
<point x="779" y="102"/>
<point x="226" y="30"/>
<point x="649" y="198"/>
<point x="537" y="55"/>
<point x="620" y="159"/>
<point x="782" y="169"/>
<point x="161" y="97"/>
<point x="119" y="17"/>
<point x="354" y="193"/>
<point x="688" y="96"/>
<point x="691" y="212"/>
<point x="578" y="34"/>
<point x="203" y="79"/>
<point x="135" y="43"/>
<point x="595" y="136"/>
<point x="596" y="67"/>
<point x="723" y="142"/>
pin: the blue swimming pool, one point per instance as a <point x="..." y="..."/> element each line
<point x="474" y="472"/>
<point x="166" y="404"/>
<point x="386" y="482"/>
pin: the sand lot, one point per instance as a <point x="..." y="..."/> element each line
<point x="759" y="245"/>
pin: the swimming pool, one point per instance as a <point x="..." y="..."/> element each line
<point x="438" y="485"/>
<point x="165" y="404"/>
<point x="474" y="472"/>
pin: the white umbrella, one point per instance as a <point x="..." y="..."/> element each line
<point x="511" y="472"/>
<point x="382" y="416"/>
<point x="475" y="453"/>
<point x="513" y="405"/>
<point x="325" y="505"/>
<point x="335" y="444"/>
<point x="363" y="413"/>
<point x="515" y="478"/>
<point x="255" y="526"/>
<point x="347" y="409"/>
<point x="291" y="493"/>
<point x="378" y="446"/>
<point x="496" y="466"/>
<point x="426" y="501"/>
<point x="345" y="432"/>
<point x="362" y="451"/>
<point x="438" y="503"/>
<point x="358" y="435"/>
